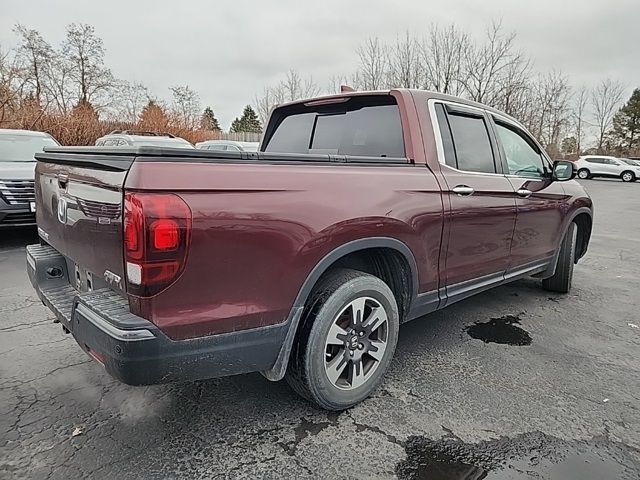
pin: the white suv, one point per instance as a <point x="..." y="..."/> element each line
<point x="591" y="166"/>
<point x="130" y="138"/>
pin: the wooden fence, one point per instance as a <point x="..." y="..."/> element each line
<point x="238" y="137"/>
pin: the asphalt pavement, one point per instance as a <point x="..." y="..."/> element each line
<point x="513" y="383"/>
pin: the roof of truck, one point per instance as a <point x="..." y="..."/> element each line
<point x="424" y="94"/>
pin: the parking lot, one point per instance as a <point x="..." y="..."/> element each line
<point x="558" y="397"/>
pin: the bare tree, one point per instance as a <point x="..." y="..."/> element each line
<point x="489" y="66"/>
<point x="405" y="69"/>
<point x="61" y="86"/>
<point x="551" y="115"/>
<point x="580" y="101"/>
<point x="36" y="56"/>
<point x="337" y="81"/>
<point x="443" y="53"/>
<point x="264" y="103"/>
<point x="372" y="66"/>
<point x="12" y="84"/>
<point x="128" y="101"/>
<point x="85" y="54"/>
<point x="186" y="106"/>
<point x="293" y="87"/>
<point x="605" y="98"/>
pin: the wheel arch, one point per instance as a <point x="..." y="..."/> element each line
<point x="334" y="259"/>
<point x="585" y="169"/>
<point x="584" y="221"/>
<point x="583" y="217"/>
<point x="633" y="174"/>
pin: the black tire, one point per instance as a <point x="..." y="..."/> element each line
<point x="584" y="174"/>
<point x="628" y="176"/>
<point x="561" y="280"/>
<point x="306" y="372"/>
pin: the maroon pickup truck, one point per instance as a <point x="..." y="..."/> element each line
<point x="359" y="212"/>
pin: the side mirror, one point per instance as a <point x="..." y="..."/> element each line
<point x="563" y="170"/>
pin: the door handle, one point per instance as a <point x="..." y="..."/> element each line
<point x="463" y="190"/>
<point x="524" y="193"/>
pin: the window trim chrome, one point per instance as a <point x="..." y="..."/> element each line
<point x="431" y="105"/>
<point x="510" y="121"/>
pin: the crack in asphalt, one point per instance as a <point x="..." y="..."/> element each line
<point x="26" y="326"/>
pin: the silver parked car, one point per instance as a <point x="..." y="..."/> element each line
<point x="591" y="166"/>
<point x="228" y="146"/>
<point x="17" y="167"/>
<point x="131" y="138"/>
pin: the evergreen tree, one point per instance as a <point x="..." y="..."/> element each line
<point x="84" y="109"/>
<point x="248" y="122"/>
<point x="236" y="126"/>
<point x="153" y="117"/>
<point x="626" y="123"/>
<point x="569" y="145"/>
<point x="208" y="121"/>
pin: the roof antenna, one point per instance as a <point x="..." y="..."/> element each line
<point x="346" y="89"/>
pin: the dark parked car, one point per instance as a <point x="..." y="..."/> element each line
<point x="360" y="212"/>
<point x="17" y="165"/>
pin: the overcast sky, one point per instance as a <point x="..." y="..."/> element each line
<point x="228" y="51"/>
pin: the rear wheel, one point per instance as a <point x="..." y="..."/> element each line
<point x="346" y="340"/>
<point x="584" y="173"/>
<point x="561" y="280"/>
<point x="628" y="176"/>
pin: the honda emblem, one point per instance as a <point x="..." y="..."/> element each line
<point x="62" y="210"/>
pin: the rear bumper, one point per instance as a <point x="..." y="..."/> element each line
<point x="134" y="350"/>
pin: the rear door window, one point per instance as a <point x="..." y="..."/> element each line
<point x="352" y="128"/>
<point x="471" y="143"/>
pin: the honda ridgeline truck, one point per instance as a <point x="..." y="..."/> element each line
<point x="359" y="212"/>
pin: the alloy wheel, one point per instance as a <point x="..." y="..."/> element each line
<point x="356" y="343"/>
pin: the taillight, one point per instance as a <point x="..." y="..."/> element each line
<point x="157" y="232"/>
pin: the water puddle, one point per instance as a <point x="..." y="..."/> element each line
<point x="528" y="456"/>
<point x="500" y="330"/>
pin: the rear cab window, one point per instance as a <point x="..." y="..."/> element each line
<point x="360" y="126"/>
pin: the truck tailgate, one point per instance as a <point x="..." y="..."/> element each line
<point x="79" y="213"/>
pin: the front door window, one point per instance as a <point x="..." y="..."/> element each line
<point x="523" y="158"/>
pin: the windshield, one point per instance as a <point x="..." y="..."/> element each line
<point x="22" y="148"/>
<point x="251" y="147"/>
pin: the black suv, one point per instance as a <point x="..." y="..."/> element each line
<point x="17" y="166"/>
